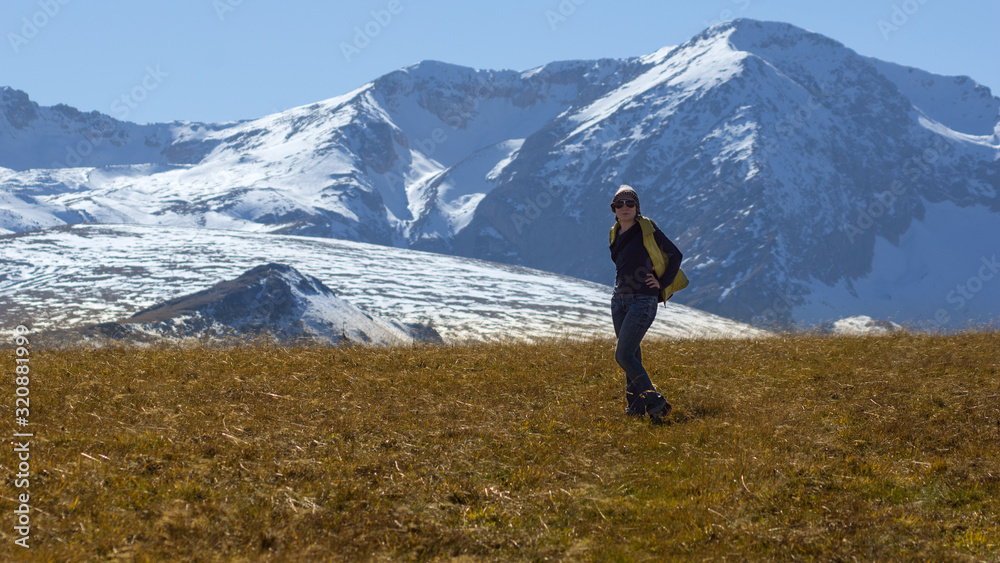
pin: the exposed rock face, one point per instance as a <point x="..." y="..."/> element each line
<point x="272" y="300"/>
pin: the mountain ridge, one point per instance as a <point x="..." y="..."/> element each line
<point x="66" y="276"/>
<point x="270" y="300"/>
<point x="759" y="147"/>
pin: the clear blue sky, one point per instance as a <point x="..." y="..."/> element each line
<point x="220" y="60"/>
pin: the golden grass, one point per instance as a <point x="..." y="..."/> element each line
<point x="789" y="448"/>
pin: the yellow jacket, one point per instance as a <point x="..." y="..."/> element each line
<point x="656" y="255"/>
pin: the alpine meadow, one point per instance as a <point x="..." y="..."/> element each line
<point x="795" y="447"/>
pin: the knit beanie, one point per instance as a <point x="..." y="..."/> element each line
<point x="626" y="192"/>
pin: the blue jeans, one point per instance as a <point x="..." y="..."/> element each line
<point x="633" y="315"/>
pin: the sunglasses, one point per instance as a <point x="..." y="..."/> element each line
<point x="622" y="203"/>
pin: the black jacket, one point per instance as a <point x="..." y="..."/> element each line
<point x="633" y="264"/>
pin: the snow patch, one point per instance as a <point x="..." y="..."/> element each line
<point x="100" y="273"/>
<point x="929" y="275"/>
<point x="863" y="325"/>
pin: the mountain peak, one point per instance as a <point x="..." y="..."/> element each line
<point x="781" y="44"/>
<point x="17" y="107"/>
<point x="438" y="71"/>
<point x="752" y="31"/>
<point x="268" y="291"/>
<point x="274" y="300"/>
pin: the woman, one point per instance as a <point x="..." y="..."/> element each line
<point x="637" y="294"/>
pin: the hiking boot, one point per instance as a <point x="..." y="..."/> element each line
<point x="657" y="415"/>
<point x="630" y="412"/>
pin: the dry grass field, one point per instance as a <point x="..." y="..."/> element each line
<point x="793" y="448"/>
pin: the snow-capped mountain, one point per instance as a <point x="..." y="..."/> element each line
<point x="66" y="277"/>
<point x="271" y="300"/>
<point x="862" y="325"/>
<point x="57" y="137"/>
<point x="802" y="181"/>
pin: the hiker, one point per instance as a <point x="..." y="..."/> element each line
<point x="638" y="291"/>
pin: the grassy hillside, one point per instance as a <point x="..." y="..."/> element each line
<point x="791" y="448"/>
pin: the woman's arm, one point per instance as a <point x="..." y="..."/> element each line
<point x="674" y="257"/>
